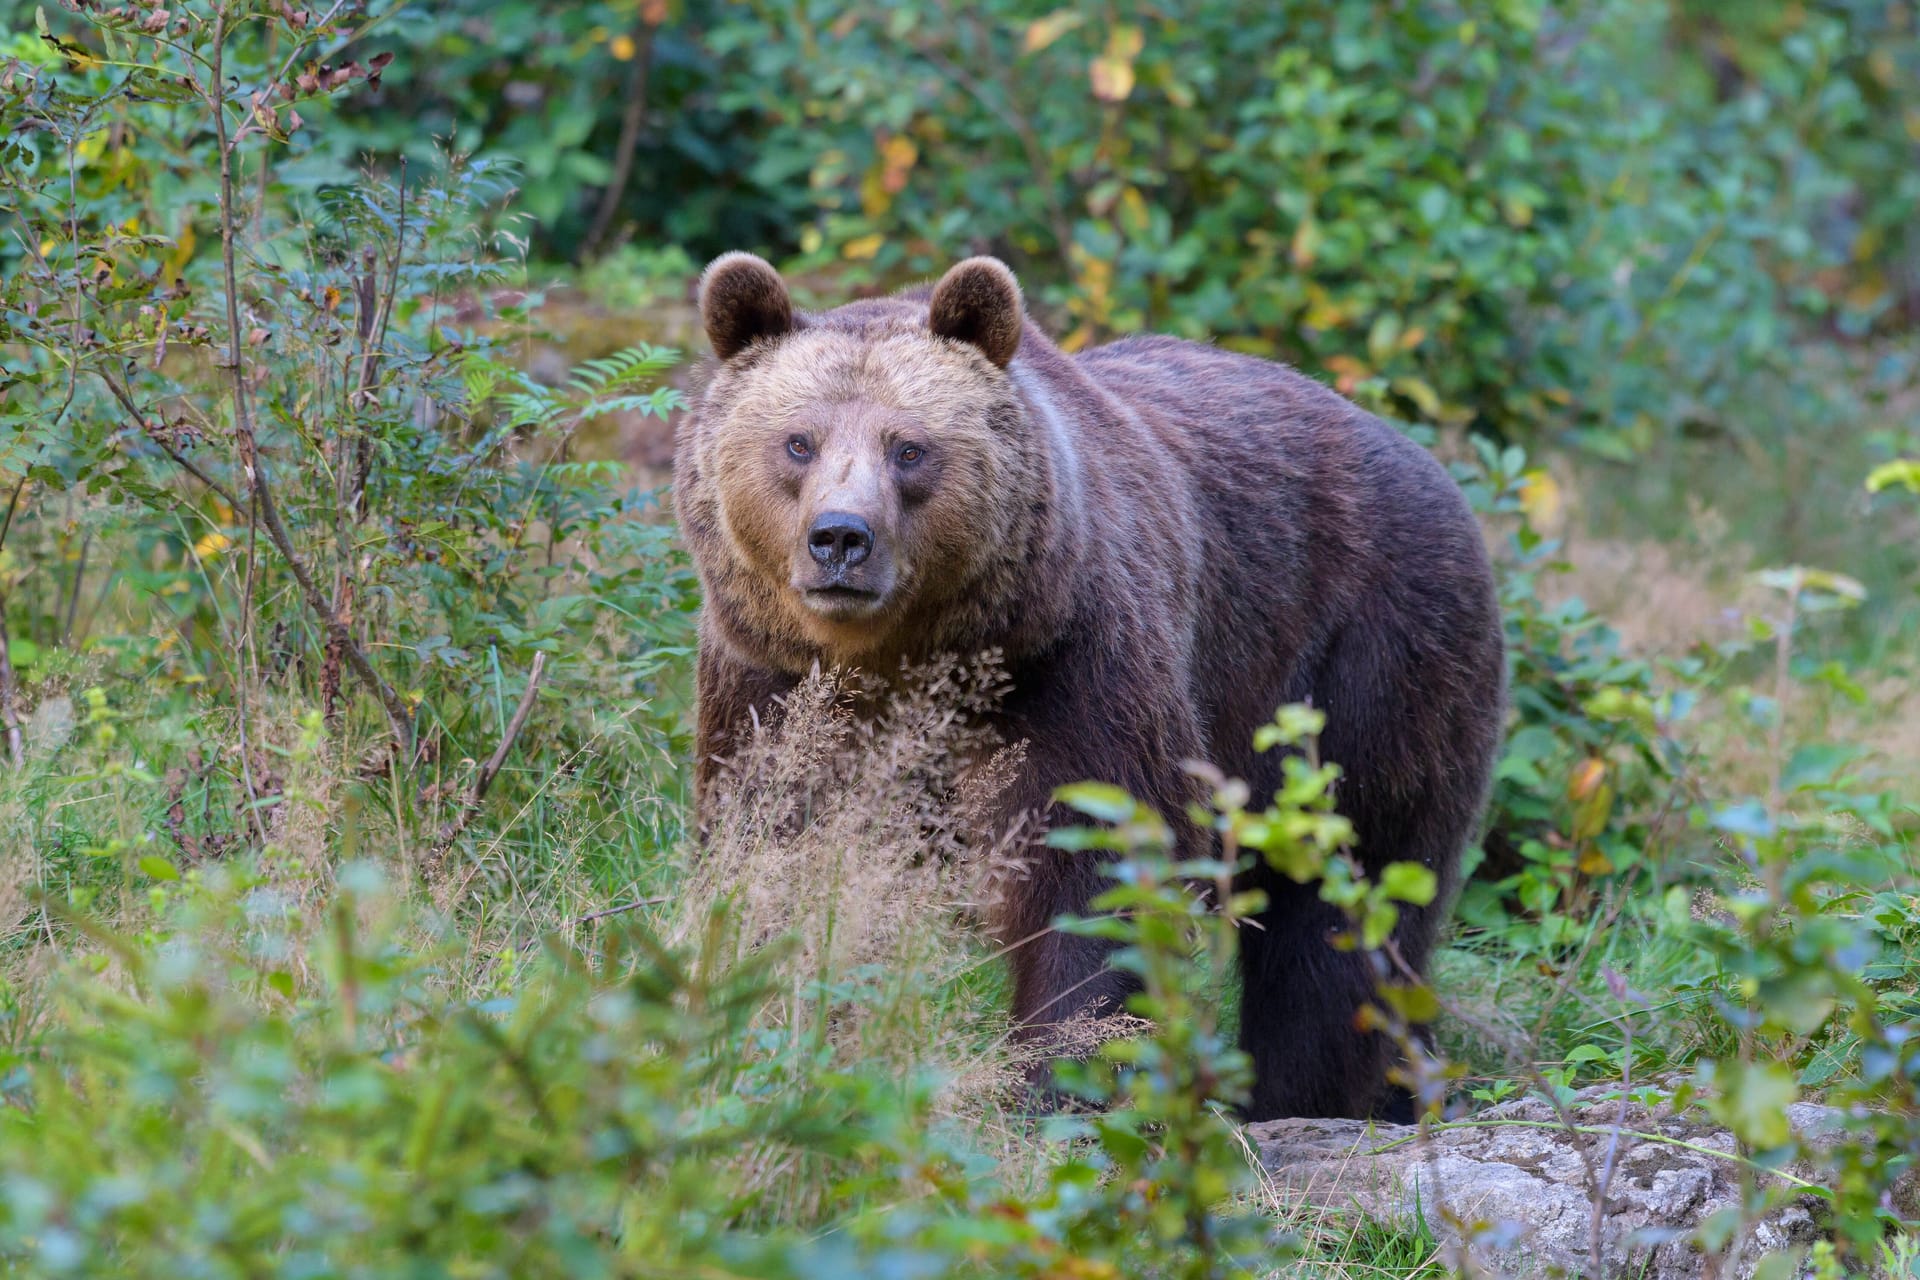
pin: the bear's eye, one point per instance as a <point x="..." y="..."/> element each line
<point x="799" y="448"/>
<point x="910" y="454"/>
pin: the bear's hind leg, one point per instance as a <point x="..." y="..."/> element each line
<point x="1299" y="996"/>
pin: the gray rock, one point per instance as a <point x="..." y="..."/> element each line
<point x="1511" y="1185"/>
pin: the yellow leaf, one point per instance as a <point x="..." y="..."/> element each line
<point x="1595" y="863"/>
<point x="182" y="250"/>
<point x="1044" y="31"/>
<point x="1590" y="816"/>
<point x="1306" y="243"/>
<point x="875" y="199"/>
<point x="897" y="155"/>
<point x="1586" y="778"/>
<point x="1125" y="42"/>
<point x="212" y="545"/>
<point x="1866" y="294"/>
<point x="862" y="248"/>
<point x="1134" y="216"/>
<point x="1348" y="373"/>
<point x="622" y="48"/>
<point x="1540" y="498"/>
<point x="1421" y="393"/>
<point x="1323" y="310"/>
<point x="1112" y="78"/>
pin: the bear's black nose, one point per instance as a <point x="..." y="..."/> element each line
<point x="839" y="539"/>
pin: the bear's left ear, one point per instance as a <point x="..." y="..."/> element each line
<point x="742" y="298"/>
<point x="978" y="302"/>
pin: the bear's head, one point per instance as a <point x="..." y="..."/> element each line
<point x="859" y="485"/>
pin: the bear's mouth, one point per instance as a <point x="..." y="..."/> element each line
<point x="841" y="599"/>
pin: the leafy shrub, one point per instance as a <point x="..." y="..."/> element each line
<point x="1508" y="216"/>
<point x="299" y="420"/>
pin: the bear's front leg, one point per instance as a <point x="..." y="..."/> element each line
<point x="731" y="694"/>
<point x="1063" y="981"/>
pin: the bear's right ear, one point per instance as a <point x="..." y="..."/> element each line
<point x="978" y="302"/>
<point x="742" y="298"/>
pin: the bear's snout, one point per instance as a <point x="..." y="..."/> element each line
<point x="848" y="571"/>
<point x="839" y="540"/>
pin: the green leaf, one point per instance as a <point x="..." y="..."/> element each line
<point x="1800" y="1001"/>
<point x="1784" y="1265"/>
<point x="1901" y="471"/>
<point x="1409" y="882"/>
<point x="1753" y="1102"/>
<point x="1100" y="800"/>
<point x="1818" y="764"/>
<point x="159" y="868"/>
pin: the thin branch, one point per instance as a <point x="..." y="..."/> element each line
<point x="372" y="327"/>
<point x="242" y="409"/>
<point x="451" y="829"/>
<point x="16" y="749"/>
<point x="6" y="526"/>
<point x="1022" y="128"/>
<point x="178" y="459"/>
<point x="400" y="719"/>
<point x="73" y="599"/>
<point x="630" y="121"/>
<point x="1596" y="1227"/>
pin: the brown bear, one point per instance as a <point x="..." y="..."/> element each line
<point x="1164" y="541"/>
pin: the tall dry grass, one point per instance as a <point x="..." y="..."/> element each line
<point x="856" y="830"/>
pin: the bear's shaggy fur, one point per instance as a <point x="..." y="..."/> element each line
<point x="1164" y="540"/>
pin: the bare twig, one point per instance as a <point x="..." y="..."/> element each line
<point x="242" y="408"/>
<point x="630" y="122"/>
<point x="370" y="321"/>
<point x="73" y="596"/>
<point x="450" y="830"/>
<point x="13" y="503"/>
<point x="1595" y="1234"/>
<point x="399" y="717"/>
<point x="16" y="749"/>
<point x="178" y="459"/>
<point x="624" y="907"/>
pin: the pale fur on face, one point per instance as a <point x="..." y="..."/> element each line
<point x="856" y="397"/>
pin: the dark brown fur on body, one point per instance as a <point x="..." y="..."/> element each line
<point x="1166" y="542"/>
